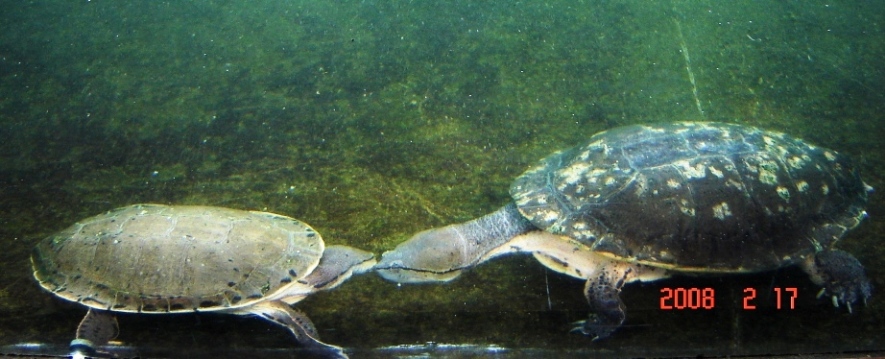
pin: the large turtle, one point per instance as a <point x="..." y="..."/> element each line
<point x="158" y="259"/>
<point x="643" y="202"/>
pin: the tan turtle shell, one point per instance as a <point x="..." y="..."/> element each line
<point x="161" y="259"/>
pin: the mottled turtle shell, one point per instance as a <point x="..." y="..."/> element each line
<point x="705" y="197"/>
<point x="160" y="259"/>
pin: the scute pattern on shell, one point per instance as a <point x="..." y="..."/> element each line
<point x="156" y="258"/>
<point x="695" y="196"/>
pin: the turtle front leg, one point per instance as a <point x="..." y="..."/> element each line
<point x="97" y="328"/>
<point x="841" y="276"/>
<point x="296" y="322"/>
<point x="602" y="291"/>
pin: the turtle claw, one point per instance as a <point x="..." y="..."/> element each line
<point x="578" y="328"/>
<point x="593" y="329"/>
<point x="859" y="292"/>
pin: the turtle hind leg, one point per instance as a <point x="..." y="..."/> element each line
<point x="841" y="276"/>
<point x="607" y="311"/>
<point x="96" y="329"/>
<point x="297" y="323"/>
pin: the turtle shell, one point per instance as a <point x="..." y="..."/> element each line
<point x="706" y="197"/>
<point x="156" y="258"/>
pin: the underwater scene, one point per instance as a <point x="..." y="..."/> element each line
<point x="740" y="212"/>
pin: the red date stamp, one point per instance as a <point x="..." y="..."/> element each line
<point x="705" y="298"/>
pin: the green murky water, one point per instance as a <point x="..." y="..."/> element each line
<point x="372" y="120"/>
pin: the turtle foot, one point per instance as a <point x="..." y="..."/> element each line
<point x="841" y="276"/>
<point x="599" y="326"/>
<point x="82" y="348"/>
<point x="96" y="329"/>
<point x="298" y="324"/>
<point x="606" y="309"/>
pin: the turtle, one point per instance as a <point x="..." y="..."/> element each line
<point x="158" y="259"/>
<point x="645" y="202"/>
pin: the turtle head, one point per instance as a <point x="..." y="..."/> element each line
<point x="440" y="254"/>
<point x="429" y="256"/>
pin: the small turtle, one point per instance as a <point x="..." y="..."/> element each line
<point x="644" y="202"/>
<point x="158" y="259"/>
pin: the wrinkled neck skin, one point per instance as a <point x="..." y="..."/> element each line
<point x="439" y="254"/>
